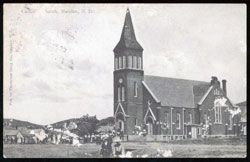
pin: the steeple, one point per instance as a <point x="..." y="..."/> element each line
<point x="128" y="39"/>
<point x="128" y="76"/>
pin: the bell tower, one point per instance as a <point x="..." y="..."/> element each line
<point x="128" y="77"/>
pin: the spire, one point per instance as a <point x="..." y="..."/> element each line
<point x="128" y="39"/>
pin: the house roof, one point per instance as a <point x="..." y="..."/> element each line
<point x="10" y="132"/>
<point x="128" y="39"/>
<point x="199" y="95"/>
<point x="152" y="114"/>
<point x="151" y="93"/>
<point x="8" y="128"/>
<point x="37" y="130"/>
<point x="176" y="92"/>
<point x="243" y="108"/>
<point x="26" y="132"/>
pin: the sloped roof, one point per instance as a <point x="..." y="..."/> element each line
<point x="36" y="131"/>
<point x="128" y="39"/>
<point x="176" y="92"/>
<point x="200" y="92"/>
<point x="26" y="132"/>
<point x="10" y="132"/>
<point x="243" y="108"/>
<point x="8" y="128"/>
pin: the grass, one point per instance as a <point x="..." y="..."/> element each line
<point x="200" y="148"/>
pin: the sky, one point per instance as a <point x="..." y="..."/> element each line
<point x="58" y="58"/>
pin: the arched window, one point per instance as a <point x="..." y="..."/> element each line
<point x="116" y="63"/>
<point x="119" y="94"/>
<point x="134" y="62"/>
<point x="124" y="62"/>
<point x="129" y="61"/>
<point x="139" y="63"/>
<point x="123" y="93"/>
<point x="216" y="92"/>
<point x="135" y="89"/>
<point x="166" y="116"/>
<point x="135" y="121"/>
<point x="230" y="122"/>
<point x="120" y="62"/>
<point x="217" y="114"/>
<point x="178" y="120"/>
<point x="190" y="118"/>
<point x="205" y="120"/>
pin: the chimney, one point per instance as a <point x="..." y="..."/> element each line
<point x="214" y="80"/>
<point x="224" y="86"/>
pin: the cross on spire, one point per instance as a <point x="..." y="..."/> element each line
<point x="149" y="103"/>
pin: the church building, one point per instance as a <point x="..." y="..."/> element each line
<point x="169" y="108"/>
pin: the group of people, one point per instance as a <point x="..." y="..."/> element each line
<point x="97" y="138"/>
<point x="111" y="144"/>
<point x="108" y="149"/>
<point x="88" y="138"/>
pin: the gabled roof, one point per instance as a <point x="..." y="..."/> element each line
<point x="151" y="93"/>
<point x="10" y="132"/>
<point x="200" y="97"/>
<point x="33" y="131"/>
<point x="128" y="39"/>
<point x="152" y="114"/>
<point x="119" y="106"/>
<point x="26" y="132"/>
<point x="176" y="92"/>
<point x="8" y="128"/>
<point x="37" y="130"/>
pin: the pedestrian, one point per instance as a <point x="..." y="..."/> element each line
<point x="85" y="138"/>
<point x="118" y="148"/>
<point x="122" y="135"/>
<point x="92" y="138"/>
<point x="110" y="141"/>
<point x="105" y="149"/>
<point x="118" y="133"/>
<point x="89" y="137"/>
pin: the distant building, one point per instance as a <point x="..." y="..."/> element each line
<point x="21" y="128"/>
<point x="88" y="117"/>
<point x="12" y="136"/>
<point x="243" y="119"/>
<point x="6" y="127"/>
<point x="171" y="108"/>
<point x="28" y="137"/>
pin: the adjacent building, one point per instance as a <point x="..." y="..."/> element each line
<point x="243" y="117"/>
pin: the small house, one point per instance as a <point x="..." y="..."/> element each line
<point x="28" y="137"/>
<point x="12" y="136"/>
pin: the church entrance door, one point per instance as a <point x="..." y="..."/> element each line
<point x="194" y="132"/>
<point x="150" y="129"/>
<point x="121" y="124"/>
<point x="150" y="126"/>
